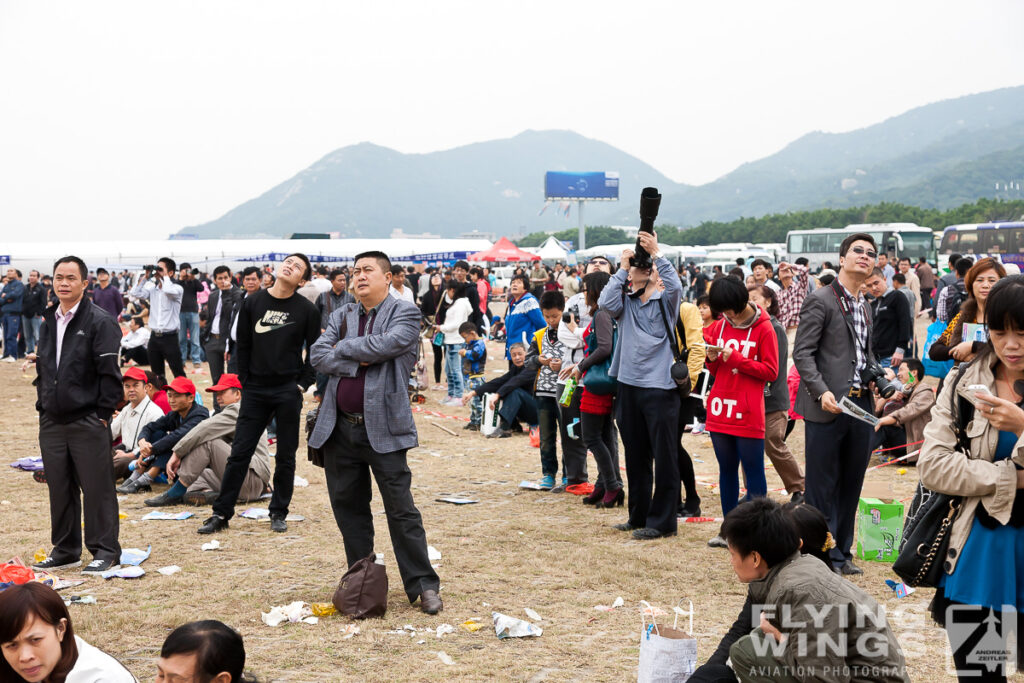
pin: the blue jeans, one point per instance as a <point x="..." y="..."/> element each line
<point x="188" y="334"/>
<point x="11" y="323"/>
<point x="732" y="453"/>
<point x="30" y="330"/>
<point x="476" y="413"/>
<point x="453" y="369"/>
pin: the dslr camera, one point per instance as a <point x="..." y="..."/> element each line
<point x="572" y="314"/>
<point x="873" y="372"/>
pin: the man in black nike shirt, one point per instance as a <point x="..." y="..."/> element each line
<point x="274" y="325"/>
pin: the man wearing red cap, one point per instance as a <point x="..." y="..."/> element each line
<point x="129" y="421"/>
<point x="198" y="460"/>
<point x="158" y="438"/>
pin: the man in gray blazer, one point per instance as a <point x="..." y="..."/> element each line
<point x="365" y="423"/>
<point x="833" y="347"/>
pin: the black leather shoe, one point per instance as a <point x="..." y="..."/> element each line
<point x="797" y="497"/>
<point x="689" y="511"/>
<point x="212" y="525"/>
<point x="161" y="500"/>
<point x="849" y="568"/>
<point x="202" y="498"/>
<point x="648" y="534"/>
<point x="132" y="486"/>
<point x="278" y="525"/>
<point x="625" y="526"/>
<point x="430" y="602"/>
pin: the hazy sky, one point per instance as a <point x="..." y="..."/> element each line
<point x="121" y="119"/>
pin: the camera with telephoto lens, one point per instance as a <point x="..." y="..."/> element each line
<point x="873" y="372"/>
<point x="650" y="200"/>
<point x="572" y="314"/>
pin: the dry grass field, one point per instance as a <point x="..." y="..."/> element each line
<point x="514" y="549"/>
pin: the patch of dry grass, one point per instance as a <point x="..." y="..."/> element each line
<point x="514" y="549"/>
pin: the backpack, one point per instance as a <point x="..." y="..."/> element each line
<point x="956" y="296"/>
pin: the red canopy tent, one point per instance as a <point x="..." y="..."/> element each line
<point x="504" y="250"/>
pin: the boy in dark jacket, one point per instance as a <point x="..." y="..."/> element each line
<point x="474" y="357"/>
<point x="513" y="389"/>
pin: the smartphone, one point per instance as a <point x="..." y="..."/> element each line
<point x="980" y="388"/>
<point x="712" y="347"/>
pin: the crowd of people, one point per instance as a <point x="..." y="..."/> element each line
<point x="639" y="352"/>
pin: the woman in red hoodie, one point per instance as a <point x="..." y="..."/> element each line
<point x="743" y="355"/>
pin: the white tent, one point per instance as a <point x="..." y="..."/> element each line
<point x="553" y="251"/>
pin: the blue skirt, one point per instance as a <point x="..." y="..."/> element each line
<point x="989" y="572"/>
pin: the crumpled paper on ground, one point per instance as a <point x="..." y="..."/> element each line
<point x="261" y="514"/>
<point x="510" y="627"/>
<point x="293" y="613"/>
<point x="445" y="657"/>
<point x="433" y="554"/>
<point x="129" y="572"/>
<point x="443" y="630"/>
<point x="135" y="556"/>
<point x="168" y="570"/>
<point x="212" y="545"/>
<point x="619" y="602"/>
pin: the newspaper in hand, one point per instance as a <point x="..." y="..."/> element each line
<point x="854" y="410"/>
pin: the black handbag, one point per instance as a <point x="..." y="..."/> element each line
<point x="315" y="455"/>
<point x="931" y="515"/>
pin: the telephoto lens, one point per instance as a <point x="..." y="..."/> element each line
<point x="650" y="201"/>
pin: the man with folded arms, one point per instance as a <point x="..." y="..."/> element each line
<point x="365" y="423"/>
<point x="200" y="457"/>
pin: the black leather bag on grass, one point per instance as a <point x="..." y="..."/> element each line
<point x="363" y="590"/>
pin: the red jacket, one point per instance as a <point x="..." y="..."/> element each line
<point x="736" y="402"/>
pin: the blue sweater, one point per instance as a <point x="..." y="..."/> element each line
<point x="523" y="320"/>
<point x="643" y="354"/>
<point x="10" y="297"/>
<point x="475" y="358"/>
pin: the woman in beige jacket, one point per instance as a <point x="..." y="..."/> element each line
<point x="984" y="565"/>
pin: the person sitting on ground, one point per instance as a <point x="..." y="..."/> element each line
<point x="155" y="393"/>
<point x="807" y="608"/>
<point x="903" y="424"/>
<point x="513" y="389"/>
<point x="199" y="458"/>
<point x="133" y="344"/>
<point x="497" y="328"/>
<point x="39" y="644"/>
<point x="159" y="437"/>
<point x="128" y="422"/>
<point x="208" y="651"/>
<point x="474" y="358"/>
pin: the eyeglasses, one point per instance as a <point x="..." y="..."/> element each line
<point x="861" y="251"/>
<point x="600" y="262"/>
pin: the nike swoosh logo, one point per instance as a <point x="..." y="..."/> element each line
<point x="261" y="328"/>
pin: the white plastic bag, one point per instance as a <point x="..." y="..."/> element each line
<point x="667" y="655"/>
<point x="491" y="418"/>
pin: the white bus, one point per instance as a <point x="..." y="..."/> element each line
<point x="1004" y="241"/>
<point x="818" y="245"/>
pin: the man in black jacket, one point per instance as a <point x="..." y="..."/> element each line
<point x="514" y="391"/>
<point x="893" y="331"/>
<point x="460" y="272"/>
<point x="32" y="306"/>
<point x="78" y="385"/>
<point x="219" y="309"/>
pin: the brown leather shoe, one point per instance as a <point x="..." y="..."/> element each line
<point x="430" y="602"/>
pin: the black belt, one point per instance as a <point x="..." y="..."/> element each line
<point x="155" y="333"/>
<point x="354" y="418"/>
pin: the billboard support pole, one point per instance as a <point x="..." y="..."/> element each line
<point x="583" y="231"/>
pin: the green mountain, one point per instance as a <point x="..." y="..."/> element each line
<point x="935" y="156"/>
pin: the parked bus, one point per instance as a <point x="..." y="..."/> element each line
<point x="818" y="245"/>
<point x="1004" y="241"/>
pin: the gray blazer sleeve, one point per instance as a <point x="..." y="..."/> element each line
<point x="379" y="347"/>
<point x="807" y="343"/>
<point x="323" y="353"/>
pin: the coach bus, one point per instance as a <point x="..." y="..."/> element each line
<point x="818" y="245"/>
<point x="1004" y="241"/>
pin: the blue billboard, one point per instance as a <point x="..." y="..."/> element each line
<point x="563" y="185"/>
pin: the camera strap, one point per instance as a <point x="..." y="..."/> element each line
<point x="844" y="306"/>
<point x="681" y="356"/>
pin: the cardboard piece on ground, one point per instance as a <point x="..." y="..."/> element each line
<point x="879" y="523"/>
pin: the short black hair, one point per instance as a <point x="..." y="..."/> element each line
<point x="856" y="237"/>
<point x="728" y="294"/>
<point x="703" y="300"/>
<point x="812" y="529"/>
<point x="217" y="648"/>
<point x="467" y="327"/>
<point x="915" y="366"/>
<point x="139" y="321"/>
<point x="551" y="300"/>
<point x="98" y="271"/>
<point x="321" y="270"/>
<point x="335" y="273"/>
<point x="1004" y="309"/>
<point x="305" y="259"/>
<point x="740" y="262"/>
<point x="900" y="278"/>
<point x="877" y="271"/>
<point x="760" y="262"/>
<point x="522" y="278"/>
<point x="169" y="264"/>
<point x="186" y="266"/>
<point x="461" y="264"/>
<point x="761" y="526"/>
<point x="156" y="380"/>
<point x="221" y="269"/>
<point x="382" y="259"/>
<point x="771" y="298"/>
<point x="802" y="261"/>
<point x="907" y="259"/>
<point x="251" y="270"/>
<point x="397" y="270"/>
<point x="827" y="279"/>
<point x="73" y="259"/>
<point x="953" y="258"/>
<point x="963" y="265"/>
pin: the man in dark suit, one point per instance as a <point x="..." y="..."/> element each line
<point x="78" y="385"/>
<point x="365" y="423"/>
<point x="833" y="347"/>
<point x="250" y="285"/>
<point x="220" y="310"/>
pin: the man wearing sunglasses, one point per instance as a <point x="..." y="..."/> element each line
<point x="165" y="297"/>
<point x="833" y="347"/>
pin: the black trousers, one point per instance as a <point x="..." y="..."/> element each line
<point x="233" y="357"/>
<point x="259" y="405"/>
<point x="139" y="354"/>
<point x="349" y="459"/>
<point x="438" y="357"/>
<point x="215" y="348"/>
<point x="647" y="421"/>
<point x="837" y="455"/>
<point x="165" y="347"/>
<point x="78" y="466"/>
<point x="686" y="414"/>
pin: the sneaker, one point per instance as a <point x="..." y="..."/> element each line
<point x="717" y="542"/>
<point x="561" y="487"/>
<point x="133" y="486"/>
<point x="472" y="427"/>
<point x="439" y="387"/>
<point x="100" y="566"/>
<point x="201" y="497"/>
<point x="278" y="525"/>
<point x="212" y="525"/>
<point x="547" y="482"/>
<point x="52" y="564"/>
<point x="9" y="359"/>
<point x="163" y="499"/>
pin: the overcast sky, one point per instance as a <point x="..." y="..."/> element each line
<point x="134" y="119"/>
